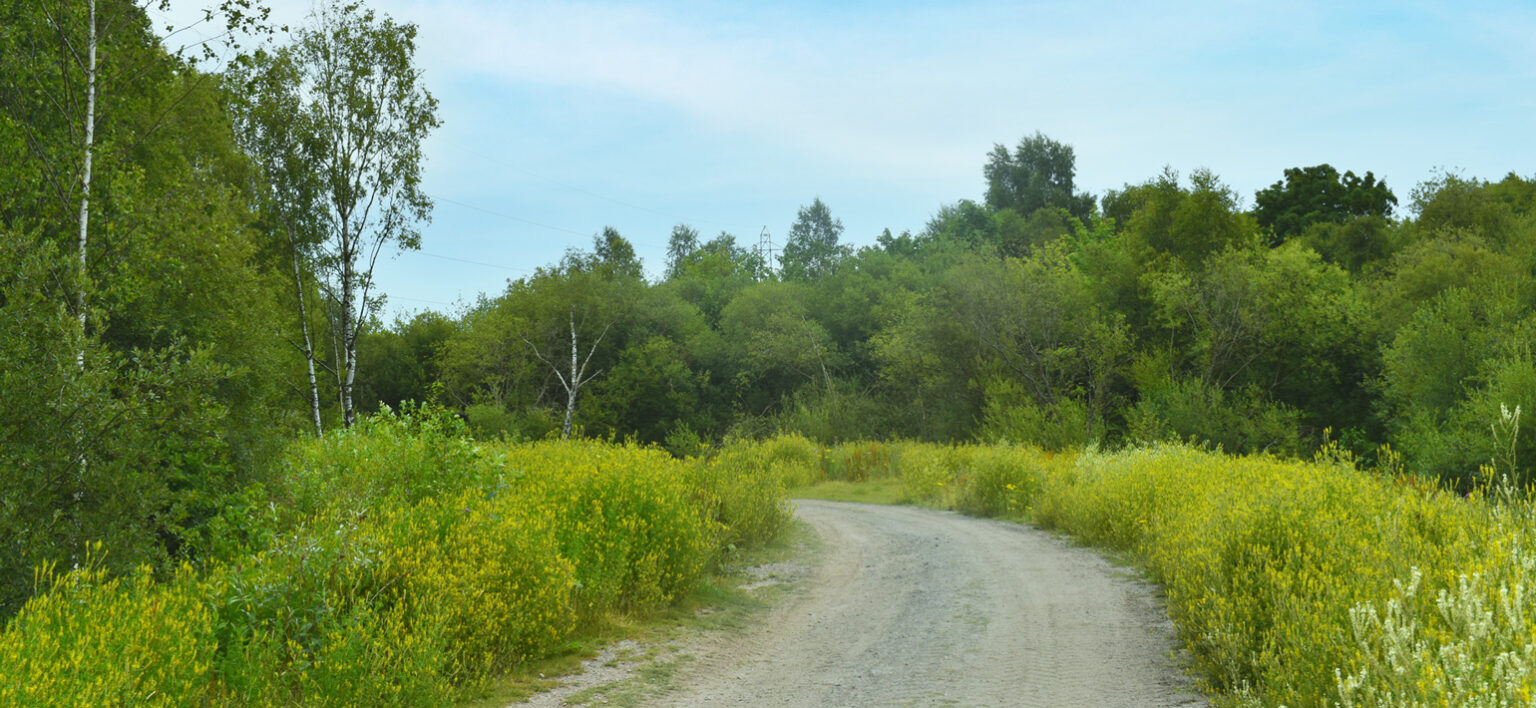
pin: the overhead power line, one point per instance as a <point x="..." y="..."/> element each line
<point x="478" y="263"/>
<point x="581" y="190"/>
<point x="417" y="299"/>
<point x="508" y="216"/>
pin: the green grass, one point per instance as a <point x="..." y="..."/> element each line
<point x="876" y="491"/>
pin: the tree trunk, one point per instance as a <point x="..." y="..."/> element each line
<point x="82" y="240"/>
<point x="575" y="383"/>
<point x="348" y="338"/>
<point x="570" y="412"/>
<point x="88" y="150"/>
<point x="309" y="345"/>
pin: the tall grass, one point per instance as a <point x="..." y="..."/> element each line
<point x="395" y="564"/>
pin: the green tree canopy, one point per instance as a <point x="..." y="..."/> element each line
<point x="682" y="249"/>
<point x="1188" y="224"/>
<point x="1319" y="194"/>
<point x="1037" y="174"/>
<point x="812" y="249"/>
<point x="615" y="255"/>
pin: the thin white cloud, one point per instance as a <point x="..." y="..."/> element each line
<point x="891" y="108"/>
<point x="875" y="99"/>
<point x="890" y="95"/>
<point x="914" y="92"/>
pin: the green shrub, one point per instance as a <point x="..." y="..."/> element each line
<point x="682" y="442"/>
<point x="859" y="462"/>
<point x="386" y="457"/>
<point x="1235" y="421"/>
<point x="997" y="480"/>
<point x="410" y="565"/>
<point x="743" y="485"/>
<point x="1010" y="415"/>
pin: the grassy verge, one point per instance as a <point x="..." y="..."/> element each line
<point x="875" y="491"/>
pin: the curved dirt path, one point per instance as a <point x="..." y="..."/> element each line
<point x="918" y="607"/>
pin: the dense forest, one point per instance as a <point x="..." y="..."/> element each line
<point x="1043" y="315"/>
<point x="186" y="288"/>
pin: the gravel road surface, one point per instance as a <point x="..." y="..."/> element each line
<point x="917" y="607"/>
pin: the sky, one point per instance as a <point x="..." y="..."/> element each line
<point x="560" y="118"/>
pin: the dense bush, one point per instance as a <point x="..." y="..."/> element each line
<point x="743" y="485"/>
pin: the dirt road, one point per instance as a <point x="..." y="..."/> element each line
<point x="917" y="607"/>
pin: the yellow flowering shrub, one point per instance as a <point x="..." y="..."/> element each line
<point x="89" y="640"/>
<point x="1291" y="583"/>
<point x="931" y="474"/>
<point x="379" y="655"/>
<point x="742" y="487"/>
<point x="484" y="573"/>
<point x="389" y="586"/>
<point x="998" y="480"/>
<point x="625" y="518"/>
<point x="1264" y="560"/>
<point x="793" y="459"/>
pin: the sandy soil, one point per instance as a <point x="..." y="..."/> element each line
<point x="917" y="607"/>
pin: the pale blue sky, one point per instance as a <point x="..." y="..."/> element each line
<point x="562" y="117"/>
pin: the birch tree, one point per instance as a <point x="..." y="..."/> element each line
<point x="121" y="400"/>
<point x="266" y="107"/>
<point x="574" y="378"/>
<point x="572" y="310"/>
<point x="360" y="112"/>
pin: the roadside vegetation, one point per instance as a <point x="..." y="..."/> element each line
<point x="1290" y="582"/>
<point x="395" y="563"/>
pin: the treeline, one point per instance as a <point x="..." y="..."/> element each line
<point x="1166" y="309"/>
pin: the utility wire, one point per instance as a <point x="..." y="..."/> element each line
<point x="507" y="216"/>
<point x="466" y="260"/>
<point x="595" y="195"/>
<point x="417" y="299"/>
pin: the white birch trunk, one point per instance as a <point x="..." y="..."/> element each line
<point x="348" y="337"/>
<point x="82" y="241"/>
<point x="309" y="346"/>
<point x="88" y="150"/>
<point x="578" y="376"/>
<point x="574" y="383"/>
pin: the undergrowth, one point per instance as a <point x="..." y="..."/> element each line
<point x="397" y="563"/>
<point x="402" y="564"/>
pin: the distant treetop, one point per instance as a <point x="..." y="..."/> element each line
<point x="1311" y="195"/>
<point x="1038" y="174"/>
